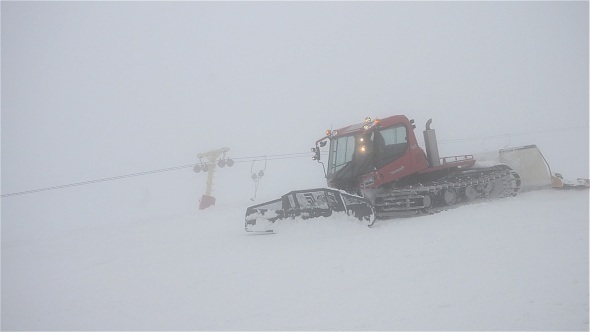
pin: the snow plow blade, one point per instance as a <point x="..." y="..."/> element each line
<point x="306" y="204"/>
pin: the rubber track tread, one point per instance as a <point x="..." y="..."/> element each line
<point x="500" y="181"/>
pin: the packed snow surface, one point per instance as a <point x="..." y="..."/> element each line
<point x="512" y="264"/>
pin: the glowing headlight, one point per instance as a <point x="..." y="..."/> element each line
<point x="368" y="119"/>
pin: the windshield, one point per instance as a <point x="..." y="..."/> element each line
<point x="341" y="151"/>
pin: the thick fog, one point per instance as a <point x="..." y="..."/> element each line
<point x="102" y="90"/>
<point x="92" y="90"/>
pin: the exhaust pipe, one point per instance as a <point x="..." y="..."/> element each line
<point x="431" y="145"/>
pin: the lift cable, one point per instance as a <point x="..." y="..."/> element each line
<point x="258" y="158"/>
<point x="175" y="168"/>
<point x="511" y="134"/>
<point x="98" y="180"/>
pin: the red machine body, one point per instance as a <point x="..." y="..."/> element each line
<point x="382" y="152"/>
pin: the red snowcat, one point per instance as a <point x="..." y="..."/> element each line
<point x="377" y="170"/>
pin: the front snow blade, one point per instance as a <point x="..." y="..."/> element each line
<point x="312" y="203"/>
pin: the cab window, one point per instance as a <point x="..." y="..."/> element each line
<point x="341" y="151"/>
<point x="390" y="144"/>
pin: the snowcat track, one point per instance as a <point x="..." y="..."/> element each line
<point x="473" y="185"/>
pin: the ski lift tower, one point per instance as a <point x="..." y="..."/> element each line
<point x="212" y="160"/>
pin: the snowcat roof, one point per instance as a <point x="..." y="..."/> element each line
<point x="359" y="127"/>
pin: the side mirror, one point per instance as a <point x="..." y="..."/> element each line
<point x="323" y="143"/>
<point x="316" y="152"/>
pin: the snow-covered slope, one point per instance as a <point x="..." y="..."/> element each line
<point x="517" y="264"/>
<point x="95" y="90"/>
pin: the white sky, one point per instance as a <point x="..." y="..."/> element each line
<point x="98" y="89"/>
